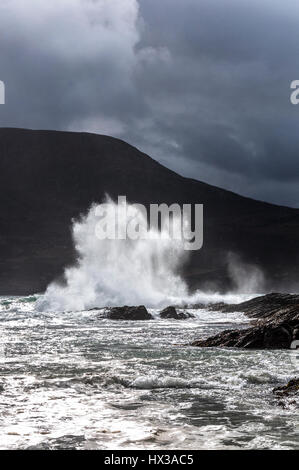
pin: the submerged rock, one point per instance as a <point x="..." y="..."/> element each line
<point x="171" y="312"/>
<point x="129" y="313"/>
<point x="276" y="324"/>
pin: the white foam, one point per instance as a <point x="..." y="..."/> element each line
<point x="124" y="272"/>
<point x="118" y="272"/>
<point x="153" y="381"/>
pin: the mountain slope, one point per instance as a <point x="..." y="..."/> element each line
<point x="49" y="177"/>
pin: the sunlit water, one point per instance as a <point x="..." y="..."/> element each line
<point x="78" y="381"/>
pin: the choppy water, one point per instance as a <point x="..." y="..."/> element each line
<point x="76" y="380"/>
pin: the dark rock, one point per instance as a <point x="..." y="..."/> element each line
<point x="277" y="337"/>
<point x="129" y="313"/>
<point x="200" y="305"/>
<point x="275" y="319"/>
<point x="171" y="312"/>
<point x="282" y="404"/>
<point x="249" y="339"/>
<point x="186" y="315"/>
<point x="290" y="389"/>
<point x="263" y="306"/>
<point x="296" y="333"/>
<point x="258" y="337"/>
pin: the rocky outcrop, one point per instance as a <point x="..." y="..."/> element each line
<point x="264" y="306"/>
<point x="129" y="313"/>
<point x="275" y="320"/>
<point x="259" y="337"/>
<point x="52" y="177"/>
<point x="171" y="312"/>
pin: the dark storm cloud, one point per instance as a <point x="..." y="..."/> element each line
<point x="201" y="85"/>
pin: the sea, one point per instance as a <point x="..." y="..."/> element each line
<point x="72" y="379"/>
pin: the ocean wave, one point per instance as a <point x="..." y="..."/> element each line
<point x="152" y="382"/>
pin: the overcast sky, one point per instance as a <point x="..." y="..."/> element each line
<point x="203" y="86"/>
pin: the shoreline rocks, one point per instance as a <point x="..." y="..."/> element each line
<point x="260" y="337"/>
<point x="275" y="319"/>
<point x="129" y="313"/>
<point x="288" y="394"/>
<point x="140" y="313"/>
<point x="171" y="312"/>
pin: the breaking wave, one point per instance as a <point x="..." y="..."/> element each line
<point x="113" y="272"/>
<point x="118" y="272"/>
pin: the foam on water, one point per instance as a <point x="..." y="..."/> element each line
<point x="153" y="381"/>
<point x="94" y="384"/>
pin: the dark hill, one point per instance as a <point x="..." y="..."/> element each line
<point x="49" y="177"/>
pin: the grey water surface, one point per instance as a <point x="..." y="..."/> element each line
<point x="75" y="380"/>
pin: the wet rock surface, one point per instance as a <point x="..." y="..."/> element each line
<point x="129" y="313"/>
<point x="290" y="389"/>
<point x="288" y="394"/>
<point x="172" y="312"/>
<point x="276" y="324"/>
<point x="41" y="171"/>
<point x="259" y="337"/>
